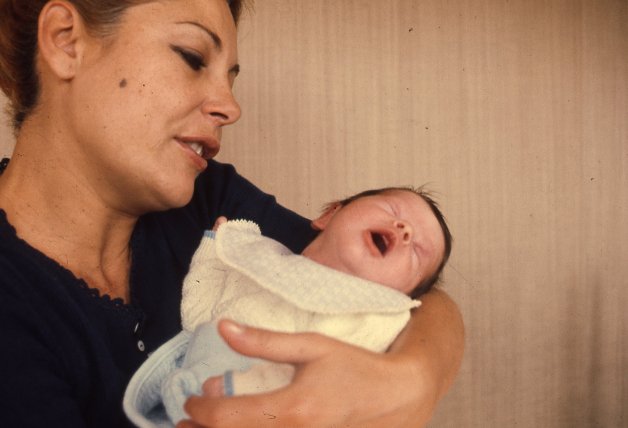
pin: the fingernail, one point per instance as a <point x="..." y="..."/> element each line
<point x="234" y="327"/>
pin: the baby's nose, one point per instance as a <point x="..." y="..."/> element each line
<point x="405" y="231"/>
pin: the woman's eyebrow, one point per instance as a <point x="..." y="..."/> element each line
<point x="215" y="38"/>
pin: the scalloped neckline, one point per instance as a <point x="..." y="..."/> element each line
<point x="104" y="298"/>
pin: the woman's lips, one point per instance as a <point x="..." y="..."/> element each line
<point x="204" y="147"/>
<point x="199" y="149"/>
<point x="192" y="154"/>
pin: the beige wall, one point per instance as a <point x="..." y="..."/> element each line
<point x="516" y="113"/>
<point x="6" y="136"/>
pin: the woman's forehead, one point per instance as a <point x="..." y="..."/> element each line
<point x="162" y="19"/>
<point x="212" y="13"/>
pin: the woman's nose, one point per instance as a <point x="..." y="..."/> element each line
<point x="221" y="106"/>
<point x="405" y="231"/>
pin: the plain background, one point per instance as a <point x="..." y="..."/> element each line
<point x="515" y="112"/>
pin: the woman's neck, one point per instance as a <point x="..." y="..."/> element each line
<point x="55" y="212"/>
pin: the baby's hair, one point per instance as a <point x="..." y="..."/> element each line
<point x="428" y="283"/>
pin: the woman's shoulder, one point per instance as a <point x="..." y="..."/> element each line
<point x="20" y="262"/>
<point x="30" y="279"/>
<point x="17" y="258"/>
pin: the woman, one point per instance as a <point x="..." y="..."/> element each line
<point x="118" y="110"/>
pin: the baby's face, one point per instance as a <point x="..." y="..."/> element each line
<point x="392" y="238"/>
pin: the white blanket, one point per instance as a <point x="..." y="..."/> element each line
<point x="278" y="290"/>
<point x="254" y="280"/>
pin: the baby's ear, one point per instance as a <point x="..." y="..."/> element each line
<point x="322" y="221"/>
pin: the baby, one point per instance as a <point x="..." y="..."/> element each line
<point x="352" y="283"/>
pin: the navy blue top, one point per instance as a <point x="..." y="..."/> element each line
<point x="67" y="352"/>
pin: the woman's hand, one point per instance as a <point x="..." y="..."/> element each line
<point x="336" y="384"/>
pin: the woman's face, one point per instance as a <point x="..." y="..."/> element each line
<point x="148" y="104"/>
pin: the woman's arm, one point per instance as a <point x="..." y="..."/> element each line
<point x="434" y="338"/>
<point x="341" y="385"/>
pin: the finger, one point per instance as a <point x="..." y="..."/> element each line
<point x="189" y="424"/>
<point x="243" y="411"/>
<point x="259" y="378"/>
<point x="219" y="221"/>
<point x="292" y="348"/>
<point x="214" y="387"/>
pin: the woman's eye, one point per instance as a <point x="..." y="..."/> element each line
<point x="194" y="60"/>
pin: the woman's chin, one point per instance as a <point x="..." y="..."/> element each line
<point x="170" y="198"/>
<point x="179" y="199"/>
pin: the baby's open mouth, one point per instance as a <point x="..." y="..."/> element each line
<point x="380" y="241"/>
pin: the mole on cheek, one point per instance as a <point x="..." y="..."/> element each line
<point x="122" y="83"/>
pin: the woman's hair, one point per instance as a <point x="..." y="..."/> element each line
<point x="18" y="43"/>
<point x="427" y="284"/>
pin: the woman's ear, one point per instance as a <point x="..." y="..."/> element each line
<point x="60" y="30"/>
<point x="322" y="221"/>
